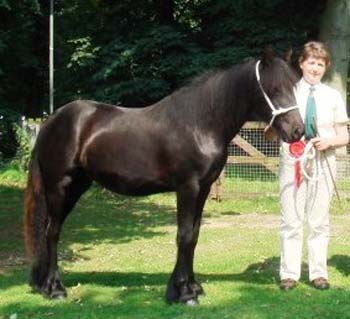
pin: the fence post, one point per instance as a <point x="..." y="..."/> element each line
<point x="216" y="189"/>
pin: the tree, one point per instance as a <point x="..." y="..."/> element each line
<point x="134" y="52"/>
<point x="22" y="52"/>
<point x="335" y="32"/>
<point x="164" y="11"/>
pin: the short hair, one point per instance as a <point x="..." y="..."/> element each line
<point x="316" y="50"/>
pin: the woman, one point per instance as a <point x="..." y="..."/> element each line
<point x="306" y="187"/>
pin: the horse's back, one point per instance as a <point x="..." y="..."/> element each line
<point x="61" y="136"/>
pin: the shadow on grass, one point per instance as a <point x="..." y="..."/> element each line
<point x="262" y="273"/>
<point x="138" y="293"/>
<point x="341" y="263"/>
<point x="253" y="302"/>
<point x="11" y="226"/>
<point x="101" y="216"/>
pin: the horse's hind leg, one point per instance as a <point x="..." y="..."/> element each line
<point x="61" y="201"/>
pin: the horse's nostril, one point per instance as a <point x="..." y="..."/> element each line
<point x="298" y="132"/>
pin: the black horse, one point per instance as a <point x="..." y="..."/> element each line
<point x="176" y="145"/>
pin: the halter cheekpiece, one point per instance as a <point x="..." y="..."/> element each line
<point x="275" y="111"/>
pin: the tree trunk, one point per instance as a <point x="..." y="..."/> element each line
<point x="335" y="32"/>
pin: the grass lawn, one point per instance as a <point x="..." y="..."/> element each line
<point x="116" y="254"/>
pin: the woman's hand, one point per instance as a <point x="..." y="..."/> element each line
<point x="340" y="139"/>
<point x="322" y="144"/>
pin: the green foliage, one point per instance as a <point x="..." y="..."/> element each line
<point x="8" y="142"/>
<point x="4" y="4"/>
<point x="148" y="68"/>
<point x="11" y="176"/>
<point x="24" y="148"/>
<point x="84" y="54"/>
<point x="135" y="52"/>
<point x="22" y="66"/>
<point x="15" y="142"/>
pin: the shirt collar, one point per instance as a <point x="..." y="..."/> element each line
<point x="306" y="85"/>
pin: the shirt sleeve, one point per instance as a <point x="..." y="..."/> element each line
<point x="340" y="115"/>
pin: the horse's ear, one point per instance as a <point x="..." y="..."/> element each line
<point x="269" y="54"/>
<point x="287" y="56"/>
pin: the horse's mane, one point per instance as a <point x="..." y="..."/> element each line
<point x="223" y="93"/>
<point x="204" y="96"/>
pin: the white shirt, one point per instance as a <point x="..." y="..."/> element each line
<point x="330" y="107"/>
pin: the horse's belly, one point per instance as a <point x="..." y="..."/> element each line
<point x="140" y="191"/>
<point x="129" y="168"/>
<point x="134" y="188"/>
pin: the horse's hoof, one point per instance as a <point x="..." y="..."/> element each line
<point x="192" y="303"/>
<point x="197" y="288"/>
<point x="54" y="289"/>
<point x="58" y="295"/>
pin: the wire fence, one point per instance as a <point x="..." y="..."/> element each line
<point x="252" y="167"/>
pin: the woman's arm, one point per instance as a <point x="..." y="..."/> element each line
<point x="340" y="139"/>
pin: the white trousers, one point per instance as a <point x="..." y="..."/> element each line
<point x="310" y="202"/>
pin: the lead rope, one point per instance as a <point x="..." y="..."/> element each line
<point x="308" y="155"/>
<point x="330" y="171"/>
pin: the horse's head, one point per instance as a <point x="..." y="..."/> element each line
<point x="275" y="81"/>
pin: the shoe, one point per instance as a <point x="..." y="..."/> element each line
<point x="320" y="283"/>
<point x="287" y="284"/>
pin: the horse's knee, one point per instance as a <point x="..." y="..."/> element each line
<point x="186" y="238"/>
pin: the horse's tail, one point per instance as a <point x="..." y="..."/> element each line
<point x="35" y="219"/>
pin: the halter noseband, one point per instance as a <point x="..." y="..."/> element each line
<point x="275" y="111"/>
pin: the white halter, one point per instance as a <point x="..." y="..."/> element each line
<point x="275" y="111"/>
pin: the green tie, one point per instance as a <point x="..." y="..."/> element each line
<point x="310" y="116"/>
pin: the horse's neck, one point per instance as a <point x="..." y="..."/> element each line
<point x="233" y="110"/>
<point x="219" y="106"/>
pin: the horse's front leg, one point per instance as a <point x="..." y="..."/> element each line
<point x="181" y="286"/>
<point x="201" y="199"/>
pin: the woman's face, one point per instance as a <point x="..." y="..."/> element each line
<point x="313" y="69"/>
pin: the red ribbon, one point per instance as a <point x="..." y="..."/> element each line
<point x="296" y="149"/>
